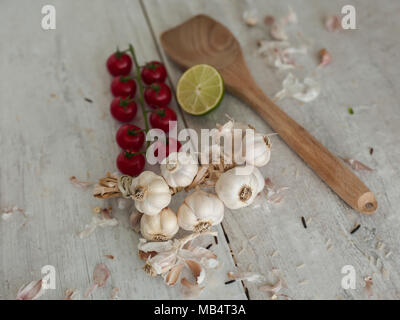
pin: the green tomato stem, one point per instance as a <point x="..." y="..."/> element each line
<point x="129" y="154"/>
<point x="160" y="112"/>
<point x="141" y="96"/>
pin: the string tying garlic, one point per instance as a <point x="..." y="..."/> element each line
<point x="238" y="189"/>
<point x="150" y="192"/>
<point x="200" y="211"/>
<point x="160" y="227"/>
<point x="179" y="169"/>
<point x="124" y="186"/>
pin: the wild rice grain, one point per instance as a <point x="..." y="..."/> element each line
<point x="355" y="229"/>
<point x="304" y="222"/>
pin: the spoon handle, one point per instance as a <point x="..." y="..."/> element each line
<point x="331" y="170"/>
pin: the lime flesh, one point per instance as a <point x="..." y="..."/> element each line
<point x="200" y="89"/>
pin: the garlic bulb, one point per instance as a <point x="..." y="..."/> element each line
<point x="150" y="192"/>
<point x="257" y="149"/>
<point x="160" y="227"/>
<point x="210" y="155"/>
<point x="199" y="211"/>
<point x="229" y="136"/>
<point x="239" y="190"/>
<point x="179" y="169"/>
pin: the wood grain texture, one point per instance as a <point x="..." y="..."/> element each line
<point x="201" y="39"/>
<point x="48" y="132"/>
<point x="362" y="76"/>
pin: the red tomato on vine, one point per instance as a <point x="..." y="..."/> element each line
<point x="119" y="64"/>
<point x="123" y="86"/>
<point x="130" y="162"/>
<point x="123" y="109"/>
<point x="161" y="118"/>
<point x="157" y="94"/>
<point x="153" y="71"/>
<point x="130" y="136"/>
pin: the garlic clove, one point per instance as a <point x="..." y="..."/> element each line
<point x="197" y="269"/>
<point x="160" y="227"/>
<point x="173" y="275"/>
<point x="31" y="291"/>
<point x="155" y="246"/>
<point x="186" y="218"/>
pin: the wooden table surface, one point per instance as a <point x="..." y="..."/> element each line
<point x="48" y="132"/>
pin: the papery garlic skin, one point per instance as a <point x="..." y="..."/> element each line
<point x="160" y="227"/>
<point x="200" y="211"/>
<point x="150" y="192"/>
<point x="179" y="169"/>
<point x="239" y="190"/>
<point x="257" y="149"/>
<point x="160" y="263"/>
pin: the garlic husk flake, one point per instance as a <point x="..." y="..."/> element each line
<point x="173" y="275"/>
<point x="162" y="257"/>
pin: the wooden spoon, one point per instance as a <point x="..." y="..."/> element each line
<point x="204" y="40"/>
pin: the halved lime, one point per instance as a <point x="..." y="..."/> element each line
<point x="200" y="89"/>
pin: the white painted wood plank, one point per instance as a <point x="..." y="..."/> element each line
<point x="48" y="132"/>
<point x="363" y="76"/>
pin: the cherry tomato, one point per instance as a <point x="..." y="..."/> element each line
<point x="161" y="147"/>
<point x="154" y="71"/>
<point x="157" y="94"/>
<point x="130" y="162"/>
<point x="119" y="64"/>
<point x="130" y="136"/>
<point x="123" y="86"/>
<point x="123" y="109"/>
<point x="161" y="117"/>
